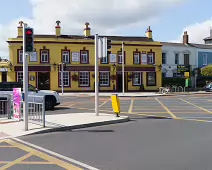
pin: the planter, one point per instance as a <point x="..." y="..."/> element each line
<point x="75" y="77"/>
<point x="113" y="77"/>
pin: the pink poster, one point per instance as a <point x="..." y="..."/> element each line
<point x="17" y="103"/>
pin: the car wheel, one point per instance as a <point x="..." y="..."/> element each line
<point x="49" y="103"/>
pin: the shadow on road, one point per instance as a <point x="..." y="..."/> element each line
<point x="147" y="117"/>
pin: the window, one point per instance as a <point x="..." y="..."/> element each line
<point x="163" y="58"/>
<point x="84" y="79"/>
<point x="150" y="58"/>
<point x="66" y="57"/>
<point x="84" y="57"/>
<point x="186" y="59"/>
<point x="120" y="59"/>
<point x="204" y="59"/>
<point x="137" y="78"/>
<point x="176" y="58"/>
<point x="136" y="58"/>
<point x="20" y="56"/>
<point x="66" y="79"/>
<point x="104" y="78"/>
<point x="44" y="56"/>
<point x="151" y="79"/>
<point x="20" y="76"/>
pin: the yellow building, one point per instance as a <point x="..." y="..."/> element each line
<point x="142" y="60"/>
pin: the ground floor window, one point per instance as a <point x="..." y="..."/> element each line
<point x="84" y="79"/>
<point x="137" y="78"/>
<point x="151" y="78"/>
<point x="66" y="79"/>
<point x="20" y="76"/>
<point x="104" y="78"/>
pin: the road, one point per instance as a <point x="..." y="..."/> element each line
<point x="164" y="133"/>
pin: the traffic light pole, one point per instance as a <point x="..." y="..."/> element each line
<point x="25" y="82"/>
<point x="123" y="75"/>
<point x="96" y="76"/>
<point x="62" y="83"/>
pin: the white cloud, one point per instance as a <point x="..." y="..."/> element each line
<point x="105" y="16"/>
<point x="197" y="32"/>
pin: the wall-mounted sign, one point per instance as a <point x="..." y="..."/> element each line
<point x="183" y="68"/>
<point x="112" y="58"/>
<point x="33" y="57"/>
<point x="75" y="56"/>
<point x="32" y="78"/>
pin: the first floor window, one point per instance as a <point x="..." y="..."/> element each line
<point x="84" y="78"/>
<point x="104" y="60"/>
<point x="136" y="58"/>
<point x="44" y="56"/>
<point x="65" y="57"/>
<point x="151" y="79"/>
<point x="104" y="78"/>
<point x="20" y="56"/>
<point x="20" y="76"/>
<point x="137" y="79"/>
<point x="150" y="58"/>
<point x="84" y="57"/>
<point x="66" y="78"/>
<point x="205" y="59"/>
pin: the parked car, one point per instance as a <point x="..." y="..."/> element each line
<point x="208" y="87"/>
<point x="52" y="98"/>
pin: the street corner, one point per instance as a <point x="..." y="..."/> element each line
<point x="20" y="156"/>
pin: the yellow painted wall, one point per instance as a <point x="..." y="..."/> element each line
<point x="55" y="57"/>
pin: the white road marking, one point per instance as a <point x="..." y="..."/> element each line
<point x="57" y="155"/>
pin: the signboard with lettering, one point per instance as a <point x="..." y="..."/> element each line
<point x="183" y="68"/>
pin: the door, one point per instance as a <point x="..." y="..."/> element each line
<point x="119" y="82"/>
<point x="3" y="76"/>
<point x="43" y="80"/>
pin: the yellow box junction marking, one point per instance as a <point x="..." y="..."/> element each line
<point x="172" y="114"/>
<point x="115" y="104"/>
<point x="32" y="152"/>
<point x="196" y="106"/>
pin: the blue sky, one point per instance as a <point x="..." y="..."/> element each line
<point x="168" y="27"/>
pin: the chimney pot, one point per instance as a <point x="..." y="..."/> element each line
<point x="185" y="38"/>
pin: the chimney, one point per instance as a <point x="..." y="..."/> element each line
<point x="57" y="28"/>
<point x="87" y="30"/>
<point x="149" y="33"/>
<point x="185" y="37"/>
<point x="20" y="28"/>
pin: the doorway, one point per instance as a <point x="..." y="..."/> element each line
<point x="119" y="86"/>
<point x="4" y="76"/>
<point x="43" y="80"/>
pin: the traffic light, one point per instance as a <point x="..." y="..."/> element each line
<point x="29" y="40"/>
<point x="64" y="67"/>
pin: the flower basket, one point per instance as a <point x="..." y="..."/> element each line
<point x="113" y="77"/>
<point x="74" y="77"/>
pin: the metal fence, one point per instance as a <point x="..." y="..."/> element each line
<point x="36" y="108"/>
<point x="172" y="89"/>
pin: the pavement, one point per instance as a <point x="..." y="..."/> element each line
<point x="164" y="132"/>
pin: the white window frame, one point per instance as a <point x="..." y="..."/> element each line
<point x="164" y="58"/>
<point x="104" y="60"/>
<point x="139" y="75"/>
<point x="86" y="77"/>
<point x="44" y="56"/>
<point x="136" y="58"/>
<point x="66" y="57"/>
<point x="66" y="75"/>
<point x="120" y="58"/>
<point x="204" y="59"/>
<point x="176" y="56"/>
<point x="151" y="58"/>
<point x="107" y="73"/>
<point x="84" y="57"/>
<point x="20" y="74"/>
<point x="20" y="56"/>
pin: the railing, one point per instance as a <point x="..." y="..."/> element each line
<point x="172" y="89"/>
<point x="36" y="108"/>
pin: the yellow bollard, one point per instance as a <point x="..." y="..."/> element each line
<point x="115" y="104"/>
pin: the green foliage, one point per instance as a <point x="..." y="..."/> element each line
<point x="173" y="81"/>
<point x="207" y="70"/>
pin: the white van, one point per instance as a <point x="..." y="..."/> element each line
<point x="52" y="98"/>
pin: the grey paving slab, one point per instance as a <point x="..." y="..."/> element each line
<point x="35" y="167"/>
<point x="11" y="154"/>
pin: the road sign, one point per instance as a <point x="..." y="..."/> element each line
<point x="115" y="104"/>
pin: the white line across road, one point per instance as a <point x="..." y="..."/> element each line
<point x="56" y="154"/>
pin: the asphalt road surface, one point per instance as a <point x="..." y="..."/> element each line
<point x="164" y="133"/>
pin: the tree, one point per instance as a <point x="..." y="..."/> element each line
<point x="207" y="70"/>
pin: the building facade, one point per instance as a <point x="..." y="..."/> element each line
<point x="175" y="55"/>
<point x="142" y="60"/>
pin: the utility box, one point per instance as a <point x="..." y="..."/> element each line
<point x="188" y="82"/>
